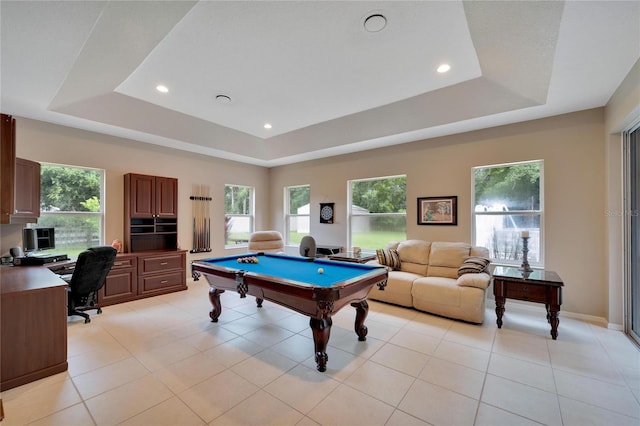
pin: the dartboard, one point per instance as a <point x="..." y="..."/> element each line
<point x="326" y="213"/>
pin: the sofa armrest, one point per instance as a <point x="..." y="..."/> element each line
<point x="480" y="280"/>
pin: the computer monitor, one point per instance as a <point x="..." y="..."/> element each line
<point x="37" y="239"/>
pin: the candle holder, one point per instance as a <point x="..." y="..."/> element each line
<point x="525" y="251"/>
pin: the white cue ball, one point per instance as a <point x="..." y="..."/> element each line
<point x="320" y="270"/>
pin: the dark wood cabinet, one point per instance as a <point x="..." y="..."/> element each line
<point x="139" y="275"/>
<point x="33" y="325"/>
<point x="151" y="213"/>
<point x="19" y="179"/>
<point x="121" y="285"/>
<point x="27" y="189"/>
<point x="161" y="272"/>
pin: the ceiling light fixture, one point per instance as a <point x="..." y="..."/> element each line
<point x="444" y="68"/>
<point x="223" y="99"/>
<point x="375" y="22"/>
<point x="267" y="126"/>
<point x="162" y="89"/>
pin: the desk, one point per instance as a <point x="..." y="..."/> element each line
<point x="536" y="286"/>
<point x="33" y="325"/>
<point x="294" y="282"/>
<point x="325" y="250"/>
<point x="350" y="256"/>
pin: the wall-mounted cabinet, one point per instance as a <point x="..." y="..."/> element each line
<point x="19" y="179"/>
<point x="151" y="213"/>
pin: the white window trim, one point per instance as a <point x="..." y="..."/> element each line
<point x="288" y="216"/>
<point x="539" y="212"/>
<point x="251" y="216"/>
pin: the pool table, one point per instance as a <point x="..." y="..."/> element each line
<point x="314" y="287"/>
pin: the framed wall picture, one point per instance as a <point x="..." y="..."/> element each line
<point x="326" y="212"/>
<point x="438" y="210"/>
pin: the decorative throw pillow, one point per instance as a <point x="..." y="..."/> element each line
<point x="473" y="265"/>
<point x="388" y="257"/>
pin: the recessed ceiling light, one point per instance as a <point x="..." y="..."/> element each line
<point x="375" y="22"/>
<point x="444" y="68"/>
<point x="223" y="99"/>
<point x="162" y="89"/>
<point x="267" y="126"/>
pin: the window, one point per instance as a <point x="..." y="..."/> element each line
<point x="378" y="211"/>
<point x="72" y="202"/>
<point x="508" y="200"/>
<point x="238" y="218"/>
<point x="297" y="218"/>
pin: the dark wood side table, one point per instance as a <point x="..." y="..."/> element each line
<point x="539" y="286"/>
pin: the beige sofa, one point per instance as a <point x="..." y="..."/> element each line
<point x="428" y="279"/>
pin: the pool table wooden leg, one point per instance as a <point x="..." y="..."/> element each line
<point x="216" y="307"/>
<point x="321" y="329"/>
<point x="362" y="308"/>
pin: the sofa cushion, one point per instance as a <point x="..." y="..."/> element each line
<point x="473" y="265"/>
<point x="388" y="257"/>
<point x="414" y="256"/>
<point x="479" y="251"/>
<point x="446" y="258"/>
<point x="397" y="290"/>
<point x="443" y="291"/>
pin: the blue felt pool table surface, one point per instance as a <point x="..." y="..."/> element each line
<point x="302" y="271"/>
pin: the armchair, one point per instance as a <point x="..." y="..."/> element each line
<point x="88" y="277"/>
<point x="266" y="241"/>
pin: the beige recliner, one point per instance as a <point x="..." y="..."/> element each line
<point x="266" y="241"/>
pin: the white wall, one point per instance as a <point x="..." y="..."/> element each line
<point x="582" y="154"/>
<point x="50" y="143"/>
<point x="572" y="148"/>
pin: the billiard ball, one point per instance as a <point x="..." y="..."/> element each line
<point x="320" y="270"/>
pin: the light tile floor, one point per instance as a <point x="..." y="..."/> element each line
<point x="160" y="361"/>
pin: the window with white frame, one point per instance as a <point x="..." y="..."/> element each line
<point x="239" y="214"/>
<point x="377" y="211"/>
<point x="509" y="204"/>
<point x="297" y="213"/>
<point x="72" y="202"/>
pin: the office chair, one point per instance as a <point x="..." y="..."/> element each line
<point x="266" y="241"/>
<point x="308" y="246"/>
<point x="88" y="277"/>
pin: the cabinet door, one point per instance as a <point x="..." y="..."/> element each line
<point x="141" y="192"/>
<point x="166" y="197"/>
<point x="7" y="165"/>
<point x="27" y="188"/>
<point x="121" y="284"/>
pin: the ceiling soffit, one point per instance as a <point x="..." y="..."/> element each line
<point x="510" y="80"/>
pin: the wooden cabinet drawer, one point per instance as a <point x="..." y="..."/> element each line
<point x="122" y="262"/>
<point x="160" y="263"/>
<point x="528" y="292"/>
<point x="161" y="282"/>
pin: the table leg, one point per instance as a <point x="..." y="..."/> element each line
<point x="499" y="310"/>
<point x="362" y="308"/>
<point x="321" y="329"/>
<point x="546" y="306"/>
<point x="216" y="307"/>
<point x="554" y="321"/>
